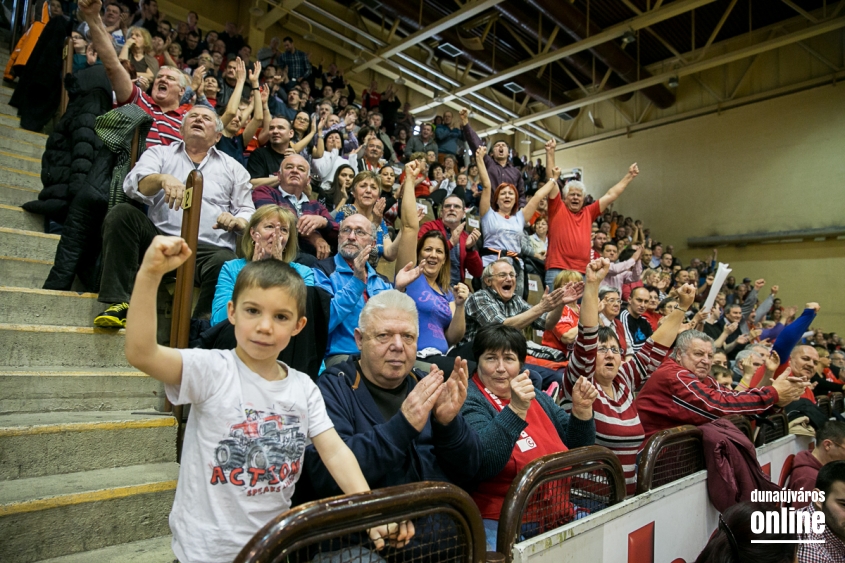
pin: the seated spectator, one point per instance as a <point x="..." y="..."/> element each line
<point x="138" y="51"/>
<point x="375" y="121"/>
<point x="517" y="423"/>
<point x="636" y="326"/>
<point x="304" y="130"/>
<point x="264" y="163"/>
<point x="499" y="168"/>
<point x="423" y="142"/>
<point x="401" y="141"/>
<point x="314" y="223"/>
<point x="271" y="233"/>
<point x="157" y="181"/>
<point x="723" y="376"/>
<point x="351" y="280"/>
<point x="163" y="104"/>
<point x="338" y="193"/>
<point x="231" y="142"/>
<point x="623" y="271"/>
<point x="463" y="256"/>
<point x="681" y="391"/>
<point x="502" y="221"/>
<point x="571" y="222"/>
<point x="610" y="305"/>
<point x="402" y="425"/>
<point x="83" y="53"/>
<point x="830" y="447"/>
<point x="598" y="357"/>
<point x="441" y="186"/>
<point x="651" y="313"/>
<point x="387" y="175"/>
<point x="830" y="544"/>
<point x="330" y="146"/>
<point x="496" y="303"/>
<point x="371" y="159"/>
<point x="441" y="309"/>
<point x="366" y="188"/>
<point x="562" y="335"/>
<point x="732" y="540"/>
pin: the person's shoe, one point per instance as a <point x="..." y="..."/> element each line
<point x="113" y="317"/>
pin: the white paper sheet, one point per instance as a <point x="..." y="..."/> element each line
<point x="722" y="274"/>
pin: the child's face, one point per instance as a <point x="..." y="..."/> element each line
<point x="265" y="320"/>
<point x="725" y="379"/>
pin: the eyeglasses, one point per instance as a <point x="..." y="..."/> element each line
<point x="504" y="276"/>
<point x="612" y="350"/>
<point x="359" y="233"/>
<point x="613" y="301"/>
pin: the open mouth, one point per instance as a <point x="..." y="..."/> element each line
<point x="507" y="286"/>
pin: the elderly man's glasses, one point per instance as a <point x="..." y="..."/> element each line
<point x="359" y="233"/>
<point x="612" y="350"/>
<point x="613" y="301"/>
<point x="504" y="276"/>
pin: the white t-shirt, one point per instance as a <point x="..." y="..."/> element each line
<point x="240" y="426"/>
<point x="501" y="233"/>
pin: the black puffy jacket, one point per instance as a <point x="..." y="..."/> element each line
<point x="72" y="146"/>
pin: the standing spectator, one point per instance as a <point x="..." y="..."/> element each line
<point x="228" y="83"/>
<point x="147" y="16"/>
<point x="621" y="272"/>
<point x="231" y="142"/>
<point x="264" y="163"/>
<point x="115" y="25"/>
<point x="192" y="20"/>
<point x="297" y="63"/>
<point x="371" y="98"/>
<point x="571" y="223"/>
<point x="637" y="328"/>
<point x="830" y="447"/>
<point x="448" y="137"/>
<point x="269" y="55"/>
<point x="405" y="118"/>
<point x="191" y="49"/>
<point x="499" y="167"/>
<point x="376" y="121"/>
<point x="423" y="142"/>
<point x="232" y="38"/>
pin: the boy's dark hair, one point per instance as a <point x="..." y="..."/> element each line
<point x="268" y="274"/>
<point x="717" y="370"/>
<point x="833" y="430"/>
<point x="829" y="474"/>
<point x="499" y="338"/>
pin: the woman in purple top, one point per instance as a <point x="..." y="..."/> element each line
<point x="441" y="309"/>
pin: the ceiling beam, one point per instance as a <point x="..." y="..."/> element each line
<point x="467" y="11"/>
<point x="276" y="13"/>
<point x="693" y="68"/>
<point x="638" y="22"/>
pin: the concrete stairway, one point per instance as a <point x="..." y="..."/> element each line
<point x="87" y="464"/>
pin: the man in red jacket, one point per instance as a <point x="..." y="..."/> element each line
<point x="681" y="391"/>
<point x="830" y="446"/>
<point x="462" y="253"/>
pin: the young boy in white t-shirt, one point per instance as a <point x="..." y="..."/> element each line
<point x="251" y="414"/>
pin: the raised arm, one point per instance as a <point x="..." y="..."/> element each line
<point x="406" y="239"/>
<point x="470" y="136"/>
<point x="596" y="272"/>
<point x="237" y="93"/>
<point x="616" y="191"/>
<point x="259" y="99"/>
<point x="102" y="41"/>
<point x="531" y="207"/>
<point x="484" y="203"/>
<point x="668" y="329"/>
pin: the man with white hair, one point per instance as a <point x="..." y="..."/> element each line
<point x="570" y="223"/>
<point x="404" y="426"/>
<point x="157" y="181"/>
<point x="497" y="160"/>
<point x="682" y="391"/>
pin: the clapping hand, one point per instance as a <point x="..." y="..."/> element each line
<point x="522" y="393"/>
<point x="454" y="394"/>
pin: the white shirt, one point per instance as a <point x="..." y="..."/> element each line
<point x="326" y="166"/>
<point x="226" y="188"/>
<point x="239" y="421"/>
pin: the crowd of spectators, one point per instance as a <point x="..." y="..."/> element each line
<point x="458" y="368"/>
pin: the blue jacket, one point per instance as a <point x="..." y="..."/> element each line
<point x="347" y="293"/>
<point x="447" y="138"/>
<point x="390" y="452"/>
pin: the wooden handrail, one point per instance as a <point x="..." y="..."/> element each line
<point x="67" y="68"/>
<point x="554" y="467"/>
<point x="313" y="523"/>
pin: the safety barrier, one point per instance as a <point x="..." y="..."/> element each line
<point x="836" y="402"/>
<point x="743" y="424"/>
<point x="448" y="528"/>
<point x="824" y="405"/>
<point x="775" y="427"/>
<point x="556" y="489"/>
<point x="670" y="455"/>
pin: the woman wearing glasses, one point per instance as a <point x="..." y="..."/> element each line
<point x="366" y="200"/>
<point x="598" y="357"/>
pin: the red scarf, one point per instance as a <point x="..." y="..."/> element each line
<point x="539" y="438"/>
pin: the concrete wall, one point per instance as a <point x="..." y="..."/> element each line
<point x="772" y="166"/>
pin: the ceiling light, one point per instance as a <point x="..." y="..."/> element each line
<point x="525" y="141"/>
<point x="256" y="10"/>
<point x="673" y="82"/>
<point x="400" y="81"/>
<point x="449" y="49"/>
<point x="359" y="60"/>
<point x="628" y="37"/>
<point x="309" y="37"/>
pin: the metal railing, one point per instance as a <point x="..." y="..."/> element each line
<point x="773" y="427"/>
<point x="556" y="489"/>
<point x="18" y="25"/>
<point x="836" y="402"/>
<point x="448" y="528"/>
<point x="823" y="403"/>
<point x="670" y="455"/>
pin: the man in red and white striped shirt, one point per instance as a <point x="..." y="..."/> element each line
<point x="163" y="104"/>
<point x="597" y="356"/>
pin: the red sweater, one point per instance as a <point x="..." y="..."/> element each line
<point x="470" y="259"/>
<point x="675" y="396"/>
<point x="805" y="469"/>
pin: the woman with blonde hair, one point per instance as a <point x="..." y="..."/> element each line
<point x="366" y="191"/>
<point x="271" y="234"/>
<point x="138" y="51"/>
<point x="564" y="333"/>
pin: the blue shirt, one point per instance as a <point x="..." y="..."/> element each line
<point x="226" y="285"/>
<point x="347" y="293"/>
<point x="434" y="314"/>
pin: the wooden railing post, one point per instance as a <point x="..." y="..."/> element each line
<point x="67" y="68"/>
<point x="180" y="325"/>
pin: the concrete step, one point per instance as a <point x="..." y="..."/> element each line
<point x="15" y="132"/>
<point x="14" y="176"/>
<point x="6" y="93"/>
<point x="16" y="195"/>
<point x="21" y="147"/>
<point x="44" y="517"/>
<point x="26" y="346"/>
<point x="10" y="120"/>
<point x="155" y="550"/>
<point x="55" y="443"/>
<point x="14" y="217"/>
<point x="27" y="244"/>
<point x="6" y="109"/>
<point x="47" y="307"/>
<point x="24" y="272"/>
<point x="87" y="389"/>
<point x="16" y="161"/>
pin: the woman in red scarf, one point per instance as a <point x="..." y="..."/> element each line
<point x="517" y="422"/>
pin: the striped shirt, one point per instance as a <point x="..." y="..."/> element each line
<point x="618" y="426"/>
<point x="166" y="125"/>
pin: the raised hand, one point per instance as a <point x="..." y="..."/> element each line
<point x="456" y="234"/>
<point x="522" y="393"/>
<point x="597" y="270"/>
<point x="454" y="394"/>
<point x="772" y="362"/>
<point x="240" y="71"/>
<point x="165" y="254"/>
<point x="572" y="292"/>
<point x="775" y="290"/>
<point x="90" y="9"/>
<point x="406" y="276"/>
<point x="633" y="170"/>
<point x="198" y="78"/>
<point x="254" y="74"/>
<point x="686" y="296"/>
<point x="418" y="404"/>
<point x="480" y="152"/>
<point x="812" y="305"/>
<point x="378" y="211"/>
<point x="551" y="144"/>
<point x="464" y="116"/>
<point x="359" y="264"/>
<point x="758" y="285"/>
<point x="412" y="169"/>
<point x="583" y="395"/>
